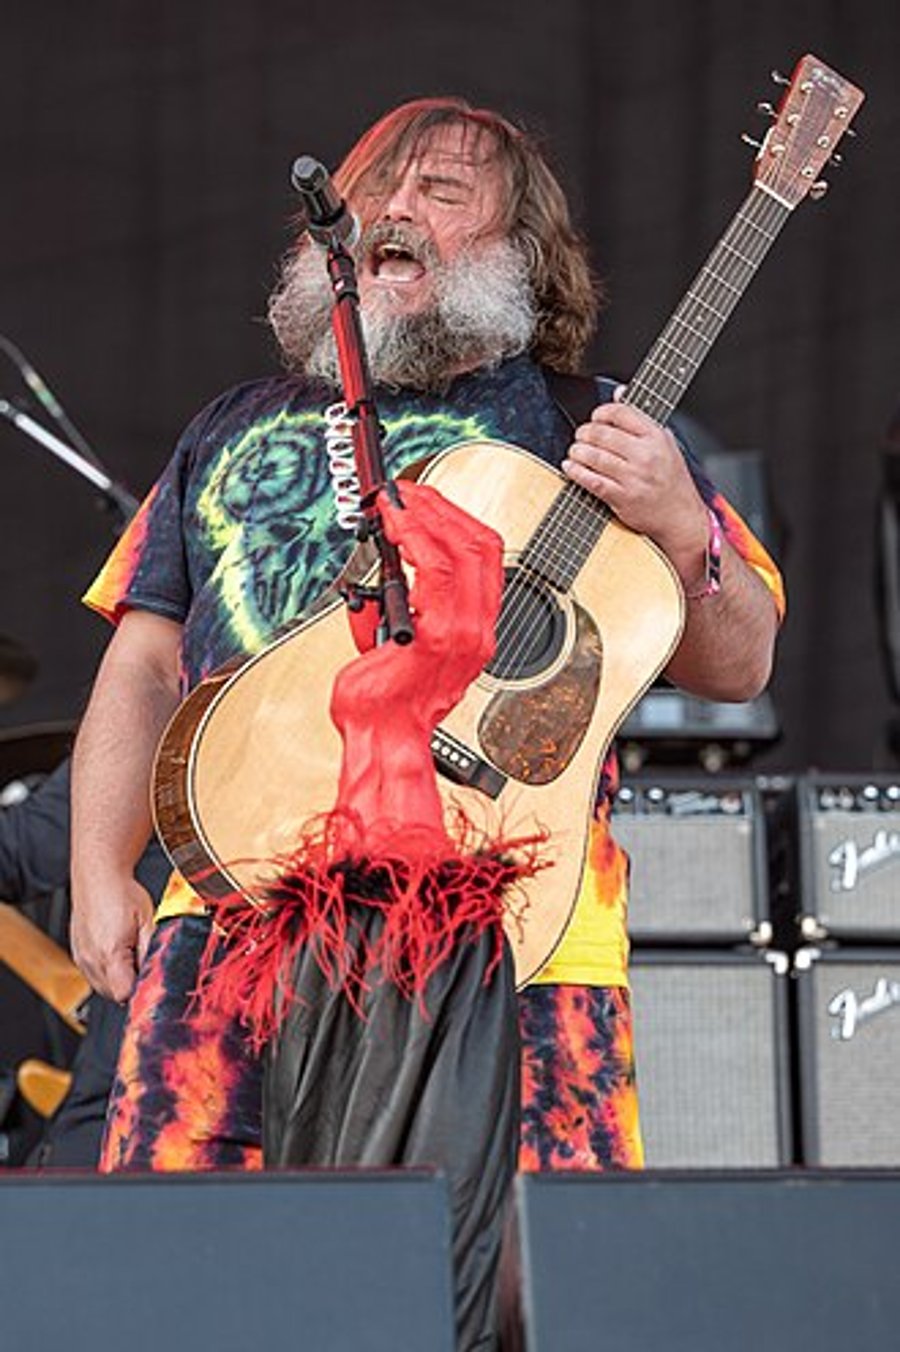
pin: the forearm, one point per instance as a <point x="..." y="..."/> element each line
<point x="728" y="643"/>
<point x="111" y="818"/>
<point x="134" y="696"/>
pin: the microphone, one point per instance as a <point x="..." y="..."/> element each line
<point x="328" y="218"/>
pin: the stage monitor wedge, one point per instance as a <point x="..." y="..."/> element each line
<point x="323" y="1261"/>
<point x="788" y="1262"/>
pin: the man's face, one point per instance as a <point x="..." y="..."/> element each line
<point x="444" y="289"/>
<point x="442" y="203"/>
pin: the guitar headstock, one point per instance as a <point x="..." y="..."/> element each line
<point x="811" y="119"/>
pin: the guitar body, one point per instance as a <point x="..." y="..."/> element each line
<point x="252" y="754"/>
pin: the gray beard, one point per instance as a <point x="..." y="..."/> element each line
<point x="482" y="311"/>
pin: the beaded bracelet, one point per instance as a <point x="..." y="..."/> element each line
<point x="712" y="577"/>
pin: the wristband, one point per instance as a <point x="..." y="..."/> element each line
<point x="712" y="576"/>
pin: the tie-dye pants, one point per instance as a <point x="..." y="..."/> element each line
<point x="188" y="1090"/>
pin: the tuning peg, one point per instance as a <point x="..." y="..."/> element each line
<point x="779" y="78"/>
<point x="848" y="131"/>
<point x="836" y="159"/>
<point x="818" y="190"/>
<point x="749" y="141"/>
<point x="766" y="109"/>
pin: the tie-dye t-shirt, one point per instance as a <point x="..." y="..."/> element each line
<point x="255" y="514"/>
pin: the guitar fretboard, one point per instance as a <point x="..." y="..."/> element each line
<point x="563" y="541"/>
<point x="676" y="356"/>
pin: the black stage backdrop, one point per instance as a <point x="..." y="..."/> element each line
<point x="145" y="151"/>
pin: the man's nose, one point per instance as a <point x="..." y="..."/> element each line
<point x="400" y="202"/>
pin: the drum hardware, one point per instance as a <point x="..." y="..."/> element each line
<point x="74" y="452"/>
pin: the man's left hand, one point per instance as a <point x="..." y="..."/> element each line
<point x="636" y="467"/>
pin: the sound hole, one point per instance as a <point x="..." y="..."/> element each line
<point x="531" y="628"/>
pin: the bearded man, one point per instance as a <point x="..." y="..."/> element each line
<point x="474" y="288"/>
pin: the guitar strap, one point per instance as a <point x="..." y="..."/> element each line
<point x="576" y="396"/>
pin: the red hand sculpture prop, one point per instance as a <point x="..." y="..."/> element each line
<point x="388" y="702"/>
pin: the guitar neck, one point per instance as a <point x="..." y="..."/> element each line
<point x="814" y="115"/>
<point x="563" y="541"/>
<point x="675" y="358"/>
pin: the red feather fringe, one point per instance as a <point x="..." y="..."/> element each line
<point x="429" y="903"/>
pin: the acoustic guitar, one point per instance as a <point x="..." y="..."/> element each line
<point x="592" y="612"/>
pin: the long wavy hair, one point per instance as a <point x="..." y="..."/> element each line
<point x="534" y="212"/>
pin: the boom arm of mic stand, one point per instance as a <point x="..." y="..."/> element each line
<point x="121" y="499"/>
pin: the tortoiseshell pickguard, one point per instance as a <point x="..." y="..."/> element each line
<point x="532" y="734"/>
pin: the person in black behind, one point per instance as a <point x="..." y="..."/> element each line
<point x="34" y="862"/>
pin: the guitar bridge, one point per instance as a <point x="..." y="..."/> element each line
<point x="458" y="763"/>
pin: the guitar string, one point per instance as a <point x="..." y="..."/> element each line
<point x="710" y="294"/>
<point x="566" y="546"/>
<point x="557" y="533"/>
<point x="696" y="347"/>
<point x="778" y="170"/>
<point x="571" y="559"/>
<point x="518" y="631"/>
<point x="689" y="316"/>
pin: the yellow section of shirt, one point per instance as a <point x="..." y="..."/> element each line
<point x="594" y="948"/>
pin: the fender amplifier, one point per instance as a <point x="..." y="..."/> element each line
<point x="712" y="1054"/>
<point x="848" y="1005"/>
<point x="698" y="861"/>
<point x="850" y="857"/>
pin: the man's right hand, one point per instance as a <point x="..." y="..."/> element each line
<point x="110" y="934"/>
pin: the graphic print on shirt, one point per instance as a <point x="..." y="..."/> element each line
<point x="274" y="514"/>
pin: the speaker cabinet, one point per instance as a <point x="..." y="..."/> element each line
<point x="711" y="1045"/>
<point x="787" y="1262"/>
<point x="850" y="857"/>
<point x="698" y="870"/>
<point x="848" y="1005"/>
<point x="324" y="1261"/>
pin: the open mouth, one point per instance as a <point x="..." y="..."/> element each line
<point x="391" y="261"/>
